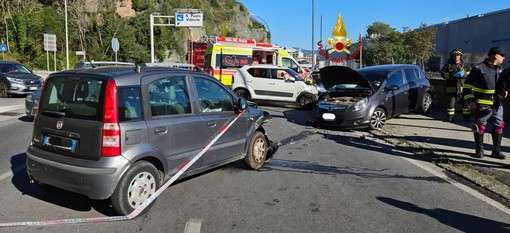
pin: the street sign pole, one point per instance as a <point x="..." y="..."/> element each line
<point x="115" y="46"/>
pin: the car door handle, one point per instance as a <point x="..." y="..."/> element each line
<point x="160" y="130"/>
<point x="211" y="124"/>
<point x="271" y="83"/>
<point x="248" y="81"/>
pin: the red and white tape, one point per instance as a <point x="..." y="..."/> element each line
<point x="140" y="208"/>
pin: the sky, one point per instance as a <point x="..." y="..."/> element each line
<point x="290" y="21"/>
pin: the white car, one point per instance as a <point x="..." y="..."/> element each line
<point x="273" y="83"/>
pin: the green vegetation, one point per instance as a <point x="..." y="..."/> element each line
<point x="386" y="45"/>
<point x="93" y="23"/>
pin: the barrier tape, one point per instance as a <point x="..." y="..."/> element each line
<point x="140" y="208"/>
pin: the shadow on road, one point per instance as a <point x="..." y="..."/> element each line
<point x="460" y="221"/>
<point x="53" y="195"/>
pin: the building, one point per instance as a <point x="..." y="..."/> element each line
<point x="473" y="35"/>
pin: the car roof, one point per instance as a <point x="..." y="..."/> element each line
<point x="263" y="66"/>
<point x="387" y="67"/>
<point x="9" y="62"/>
<point x="126" y="73"/>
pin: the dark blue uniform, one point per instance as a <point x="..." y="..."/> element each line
<point x="479" y="87"/>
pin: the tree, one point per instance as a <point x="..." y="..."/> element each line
<point x="418" y="44"/>
<point x="384" y="44"/>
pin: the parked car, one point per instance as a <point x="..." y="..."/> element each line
<point x="16" y="79"/>
<point x="32" y="102"/>
<point x="120" y="132"/>
<point x="272" y="83"/>
<point x="367" y="97"/>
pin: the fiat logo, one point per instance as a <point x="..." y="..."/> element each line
<point x="60" y="124"/>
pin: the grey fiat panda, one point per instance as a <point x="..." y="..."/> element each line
<point x="120" y="132"/>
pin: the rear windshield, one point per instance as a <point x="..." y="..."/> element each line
<point x="73" y="97"/>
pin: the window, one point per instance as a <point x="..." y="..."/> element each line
<point x="258" y="72"/>
<point x="169" y="96"/>
<point x="75" y="97"/>
<point x="411" y="75"/>
<point x="289" y="63"/>
<point x="280" y="74"/>
<point x="232" y="61"/>
<point x="213" y="96"/>
<point x="130" y="105"/>
<point x="396" y="78"/>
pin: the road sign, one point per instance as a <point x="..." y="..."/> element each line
<point x="3" y="48"/>
<point x="115" y="45"/>
<point x="189" y="19"/>
<point x="50" y="42"/>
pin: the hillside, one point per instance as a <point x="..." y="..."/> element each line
<point x="93" y="23"/>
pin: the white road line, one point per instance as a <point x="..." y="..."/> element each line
<point x="193" y="226"/>
<point x="10" y="173"/>
<point x="463" y="187"/>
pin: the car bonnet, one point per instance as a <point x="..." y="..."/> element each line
<point x="334" y="75"/>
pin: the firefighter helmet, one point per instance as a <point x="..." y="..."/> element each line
<point x="455" y="52"/>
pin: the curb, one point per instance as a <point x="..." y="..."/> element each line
<point x="483" y="178"/>
<point x="11" y="108"/>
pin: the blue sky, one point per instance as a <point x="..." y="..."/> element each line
<point x="290" y="21"/>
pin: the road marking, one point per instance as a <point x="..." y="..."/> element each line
<point x="463" y="187"/>
<point x="10" y="173"/>
<point x="193" y="226"/>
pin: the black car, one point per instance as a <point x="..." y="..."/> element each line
<point x="16" y="79"/>
<point x="367" y="97"/>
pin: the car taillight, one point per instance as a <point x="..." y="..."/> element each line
<point x="111" y="129"/>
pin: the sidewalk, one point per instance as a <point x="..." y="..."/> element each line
<point x="451" y="146"/>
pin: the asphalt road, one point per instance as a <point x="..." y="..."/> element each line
<point x="319" y="181"/>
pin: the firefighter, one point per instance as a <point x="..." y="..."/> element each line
<point x="479" y="90"/>
<point x="455" y="72"/>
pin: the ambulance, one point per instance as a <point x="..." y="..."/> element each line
<point x="221" y="57"/>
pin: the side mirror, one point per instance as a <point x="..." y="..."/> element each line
<point x="391" y="88"/>
<point x="242" y="104"/>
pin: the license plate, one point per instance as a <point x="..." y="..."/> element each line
<point x="32" y="88"/>
<point x="328" y="116"/>
<point x="58" y="142"/>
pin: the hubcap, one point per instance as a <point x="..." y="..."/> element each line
<point x="259" y="150"/>
<point x="378" y="120"/>
<point x="427" y="101"/>
<point x="141" y="188"/>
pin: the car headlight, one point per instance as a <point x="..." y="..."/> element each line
<point x="358" y="106"/>
<point x="30" y="98"/>
<point x="15" y="80"/>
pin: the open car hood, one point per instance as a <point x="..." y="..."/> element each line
<point x="334" y="75"/>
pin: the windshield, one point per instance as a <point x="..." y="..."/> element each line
<point x="14" y="68"/>
<point x="73" y="97"/>
<point x="374" y="77"/>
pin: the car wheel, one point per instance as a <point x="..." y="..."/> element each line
<point x="257" y="151"/>
<point x="426" y="103"/>
<point x="378" y="119"/>
<point x="3" y="90"/>
<point x="306" y="101"/>
<point x="139" y="183"/>
<point x="243" y="94"/>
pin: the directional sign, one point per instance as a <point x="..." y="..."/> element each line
<point x="189" y="19"/>
<point x="3" y="48"/>
<point x="50" y="42"/>
<point x="115" y="44"/>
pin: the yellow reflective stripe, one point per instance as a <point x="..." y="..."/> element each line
<point x="450" y="111"/>
<point x="466" y="111"/>
<point x="468" y="86"/>
<point x="469" y="96"/>
<point x="486" y="102"/>
<point x="484" y="91"/>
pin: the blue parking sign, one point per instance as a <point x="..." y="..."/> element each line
<point x="3" y="48"/>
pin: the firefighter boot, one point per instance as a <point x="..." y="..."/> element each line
<point x="479" y="145"/>
<point x="496" y="146"/>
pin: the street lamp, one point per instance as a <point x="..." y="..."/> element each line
<point x="267" y="26"/>
<point x="67" y="37"/>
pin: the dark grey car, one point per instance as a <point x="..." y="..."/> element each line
<point x="121" y="132"/>
<point x="367" y="97"/>
<point x="16" y="79"/>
